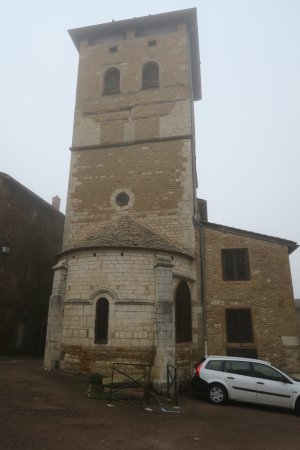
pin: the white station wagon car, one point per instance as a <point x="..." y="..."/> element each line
<point x="245" y="380"/>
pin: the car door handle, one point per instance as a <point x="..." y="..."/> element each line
<point x="259" y="382"/>
<point x="231" y="378"/>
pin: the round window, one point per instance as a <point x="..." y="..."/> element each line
<point x="122" y="199"/>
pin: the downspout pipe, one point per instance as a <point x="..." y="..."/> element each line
<point x="203" y="284"/>
<point x="202" y="248"/>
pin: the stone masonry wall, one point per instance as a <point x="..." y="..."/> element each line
<point x="157" y="177"/>
<point x="127" y="280"/>
<point x="138" y="140"/>
<point x="33" y="230"/>
<point x="134" y="113"/>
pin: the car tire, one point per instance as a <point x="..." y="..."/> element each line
<point x="217" y="394"/>
<point x="297" y="406"/>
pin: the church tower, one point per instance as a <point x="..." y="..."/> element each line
<point x="125" y="285"/>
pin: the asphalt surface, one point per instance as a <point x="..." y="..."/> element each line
<point x="43" y="410"/>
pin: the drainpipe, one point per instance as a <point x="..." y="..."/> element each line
<point x="203" y="284"/>
<point x="201" y="227"/>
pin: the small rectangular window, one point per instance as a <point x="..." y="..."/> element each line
<point x="235" y="264"/>
<point x="150" y="75"/>
<point x="152" y="43"/>
<point x="113" y="49"/>
<point x="239" y="325"/>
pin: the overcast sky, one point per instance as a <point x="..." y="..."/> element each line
<point x="247" y="124"/>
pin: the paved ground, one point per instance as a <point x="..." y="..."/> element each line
<point x="50" y="410"/>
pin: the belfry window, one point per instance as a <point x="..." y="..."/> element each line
<point x="101" y="321"/>
<point x="111" y="81"/>
<point x="150" y="77"/>
<point x="183" y="313"/>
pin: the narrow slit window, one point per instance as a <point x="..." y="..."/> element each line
<point x="101" y="321"/>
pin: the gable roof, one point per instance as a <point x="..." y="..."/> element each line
<point x="291" y="245"/>
<point x="125" y="232"/>
<point x="20" y="189"/>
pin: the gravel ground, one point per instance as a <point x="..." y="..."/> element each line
<point x="50" y="410"/>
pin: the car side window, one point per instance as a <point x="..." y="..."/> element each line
<point x="267" y="372"/>
<point x="215" y="365"/>
<point x="238" y="367"/>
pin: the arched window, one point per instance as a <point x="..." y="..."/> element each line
<point x="111" y="81"/>
<point x="183" y="313"/>
<point x="101" y="321"/>
<point x="150" y="77"/>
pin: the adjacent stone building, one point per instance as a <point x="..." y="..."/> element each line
<point x="31" y="233"/>
<point x="297" y="304"/>
<point x="249" y="296"/>
<point x="140" y="277"/>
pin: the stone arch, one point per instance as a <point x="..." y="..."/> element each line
<point x="103" y="301"/>
<point x="103" y="293"/>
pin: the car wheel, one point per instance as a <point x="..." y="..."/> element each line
<point x="217" y="394"/>
<point x="297" y="406"/>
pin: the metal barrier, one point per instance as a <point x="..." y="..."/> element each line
<point x="138" y="381"/>
<point x="172" y="382"/>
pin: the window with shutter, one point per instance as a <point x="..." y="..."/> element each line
<point x="235" y="264"/>
<point x="150" y="77"/>
<point x="111" y="81"/>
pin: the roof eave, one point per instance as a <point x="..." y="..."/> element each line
<point x="112" y="247"/>
<point x="291" y="245"/>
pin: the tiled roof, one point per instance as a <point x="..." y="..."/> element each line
<point x="291" y="245"/>
<point x="126" y="232"/>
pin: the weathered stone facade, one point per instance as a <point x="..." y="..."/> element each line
<point x="138" y="143"/>
<point x="268" y="294"/>
<point x="138" y="268"/>
<point x="33" y="230"/>
<point x="297" y="304"/>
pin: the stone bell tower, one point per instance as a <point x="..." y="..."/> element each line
<point x="129" y="238"/>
